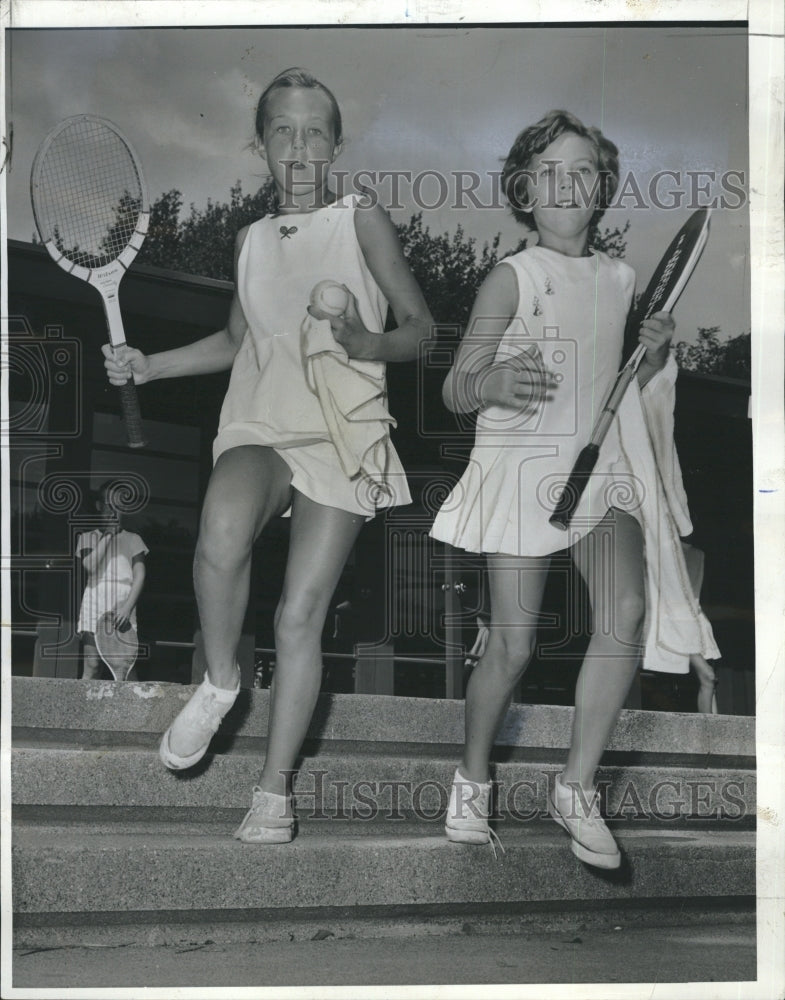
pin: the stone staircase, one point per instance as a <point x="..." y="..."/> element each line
<point x="110" y="848"/>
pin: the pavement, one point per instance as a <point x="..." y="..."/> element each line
<point x="565" y="955"/>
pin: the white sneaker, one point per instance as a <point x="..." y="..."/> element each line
<point x="196" y="724"/>
<point x="591" y="840"/>
<point x="268" y="821"/>
<point x="468" y="812"/>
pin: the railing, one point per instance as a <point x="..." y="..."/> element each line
<point x="429" y="661"/>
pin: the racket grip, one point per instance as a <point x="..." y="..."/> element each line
<point x="576" y="484"/>
<point x="132" y="415"/>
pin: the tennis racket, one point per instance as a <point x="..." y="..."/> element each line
<point x="91" y="211"/>
<point x="118" y="648"/>
<point x="667" y="283"/>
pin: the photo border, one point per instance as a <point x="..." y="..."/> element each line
<point x="765" y="45"/>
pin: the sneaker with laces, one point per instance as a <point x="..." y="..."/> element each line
<point x="468" y="812"/>
<point x="269" y="820"/>
<point x="579" y="814"/>
<point x="196" y="725"/>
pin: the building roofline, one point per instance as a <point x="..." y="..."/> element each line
<point x="160" y="274"/>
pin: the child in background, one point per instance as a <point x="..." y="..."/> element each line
<point x="113" y="560"/>
<point x="543" y="345"/>
<point x="273" y="453"/>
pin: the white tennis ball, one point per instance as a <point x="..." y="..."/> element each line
<point x="328" y="298"/>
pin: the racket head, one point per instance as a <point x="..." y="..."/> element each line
<point x="89" y="196"/>
<point x="117" y="649"/>
<point x="91" y="210"/>
<point x="675" y="267"/>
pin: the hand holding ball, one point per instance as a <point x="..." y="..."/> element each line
<point x="328" y="298"/>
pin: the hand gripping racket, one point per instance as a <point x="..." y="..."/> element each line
<point x="91" y="211"/>
<point x="118" y="648"/>
<point x="666" y="285"/>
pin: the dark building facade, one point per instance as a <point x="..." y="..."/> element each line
<point x="405" y="609"/>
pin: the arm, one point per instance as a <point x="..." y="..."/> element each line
<point x="656" y="333"/>
<point x="214" y="353"/>
<point x="383" y="253"/>
<point x="476" y="380"/>
<point x="124" y="609"/>
<point x="93" y="559"/>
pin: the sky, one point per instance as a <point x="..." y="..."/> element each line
<point x="415" y="99"/>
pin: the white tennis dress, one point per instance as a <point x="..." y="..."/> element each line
<point x="110" y="586"/>
<point x="572" y="310"/>
<point x="269" y="401"/>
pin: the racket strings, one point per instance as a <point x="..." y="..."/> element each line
<point x="88" y="194"/>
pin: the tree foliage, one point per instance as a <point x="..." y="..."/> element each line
<point x="203" y="241"/>
<point x="448" y="267"/>
<point x="711" y="356"/>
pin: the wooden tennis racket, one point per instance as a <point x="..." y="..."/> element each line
<point x="117" y="647"/>
<point x="667" y="283"/>
<point x="91" y="211"/>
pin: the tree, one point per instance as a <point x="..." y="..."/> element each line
<point x="203" y="242"/>
<point x="610" y="241"/>
<point x="711" y="356"/>
<point x="164" y="241"/>
<point x="450" y="269"/>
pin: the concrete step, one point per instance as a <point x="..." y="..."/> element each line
<point x="99" y="874"/>
<point x="111" y="848"/>
<point x="90" y="713"/>
<point x="441" y="954"/>
<point x="364" y="786"/>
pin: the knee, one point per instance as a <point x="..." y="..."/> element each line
<point x="299" y="616"/>
<point x="511" y="650"/>
<point x="91" y="670"/>
<point x="630" y="609"/>
<point x="224" y="541"/>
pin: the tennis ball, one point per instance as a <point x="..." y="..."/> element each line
<point x="328" y="298"/>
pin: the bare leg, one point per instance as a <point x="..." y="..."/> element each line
<point x="92" y="665"/>
<point x="516" y="585"/>
<point x="249" y="485"/>
<point x="320" y="542"/>
<point x="610" y="560"/>
<point x="707" y="697"/>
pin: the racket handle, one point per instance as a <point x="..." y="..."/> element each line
<point x="132" y="415"/>
<point x="576" y="484"/>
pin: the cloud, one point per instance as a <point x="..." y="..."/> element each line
<point x="441" y="99"/>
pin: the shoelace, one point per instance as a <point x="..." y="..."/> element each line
<point x="209" y="712"/>
<point x="495" y="841"/>
<point x="482" y="806"/>
<point x="592" y="819"/>
<point x="257" y="801"/>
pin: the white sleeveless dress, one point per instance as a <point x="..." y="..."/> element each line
<point x="108" y="588"/>
<point x="269" y="401"/>
<point x="573" y="311"/>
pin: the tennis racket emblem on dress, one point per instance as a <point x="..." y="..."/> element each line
<point x="91" y="211"/>
<point x="666" y="285"/>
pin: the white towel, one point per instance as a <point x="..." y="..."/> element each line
<point x="675" y="626"/>
<point x="352" y="396"/>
